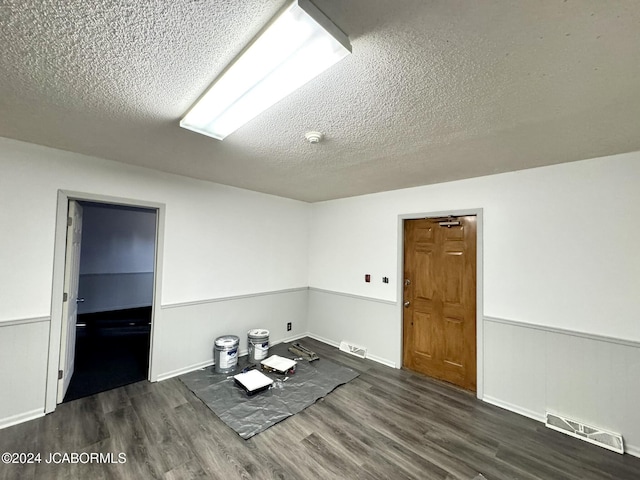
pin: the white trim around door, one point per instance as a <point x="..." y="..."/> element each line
<point x="58" y="280"/>
<point x="479" y="283"/>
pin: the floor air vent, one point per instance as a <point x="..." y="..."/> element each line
<point x="353" y="349"/>
<point x="608" y="440"/>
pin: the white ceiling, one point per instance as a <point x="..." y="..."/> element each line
<point x="434" y="90"/>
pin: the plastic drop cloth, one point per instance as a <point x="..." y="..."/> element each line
<point x="249" y="415"/>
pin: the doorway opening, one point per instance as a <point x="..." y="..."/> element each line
<point x="115" y="296"/>
<point x="440" y="297"/>
<point x="105" y="297"/>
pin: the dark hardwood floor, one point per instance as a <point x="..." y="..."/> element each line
<point x="112" y="350"/>
<point x="386" y="424"/>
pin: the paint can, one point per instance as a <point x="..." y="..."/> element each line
<point x="225" y="353"/>
<point x="258" y="340"/>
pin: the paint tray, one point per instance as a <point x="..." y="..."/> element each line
<point x="253" y="381"/>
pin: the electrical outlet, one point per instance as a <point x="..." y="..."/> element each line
<point x="289" y="327"/>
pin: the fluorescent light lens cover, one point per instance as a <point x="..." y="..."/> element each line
<point x="295" y="48"/>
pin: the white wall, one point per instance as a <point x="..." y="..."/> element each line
<point x="356" y="320"/>
<point x="185" y="340"/>
<point x="219" y="241"/>
<point x="533" y="369"/>
<point x="23" y="359"/>
<point x="561" y="278"/>
<point x="559" y="242"/>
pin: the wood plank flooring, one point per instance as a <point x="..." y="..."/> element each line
<point x="386" y="424"/>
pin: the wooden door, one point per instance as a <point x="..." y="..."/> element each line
<point x="439" y="321"/>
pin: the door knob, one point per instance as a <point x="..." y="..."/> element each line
<point x="406" y="304"/>
<point x="79" y="300"/>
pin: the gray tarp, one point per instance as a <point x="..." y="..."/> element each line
<point x="249" y="415"/>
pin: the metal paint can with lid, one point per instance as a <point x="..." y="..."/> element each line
<point x="258" y="340"/>
<point x="225" y="353"/>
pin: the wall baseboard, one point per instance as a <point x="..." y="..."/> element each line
<point x="374" y="358"/>
<point x="181" y="371"/>
<point x="289" y="339"/>
<point x="241" y="353"/>
<point x="632" y="450"/>
<point x="534" y="368"/>
<point x="383" y="361"/>
<point x="21" y="417"/>
<point x="208" y="363"/>
<point x="323" y="340"/>
<point x="514" y="408"/>
<point x="629" y="449"/>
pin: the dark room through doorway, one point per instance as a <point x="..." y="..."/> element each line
<point x="114" y="298"/>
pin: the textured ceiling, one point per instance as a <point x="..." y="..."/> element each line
<point x="434" y="90"/>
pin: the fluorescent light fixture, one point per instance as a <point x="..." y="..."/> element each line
<point x="296" y="46"/>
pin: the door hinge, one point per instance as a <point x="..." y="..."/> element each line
<point x="69" y="221"/>
<point x="64" y="297"/>
<point x="59" y="374"/>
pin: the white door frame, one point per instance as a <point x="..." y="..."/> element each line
<point x="479" y="283"/>
<point x="58" y="280"/>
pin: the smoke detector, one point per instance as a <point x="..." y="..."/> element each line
<point x="313" y="137"/>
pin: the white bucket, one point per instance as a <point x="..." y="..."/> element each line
<point x="258" y="340"/>
<point x="225" y="353"/>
